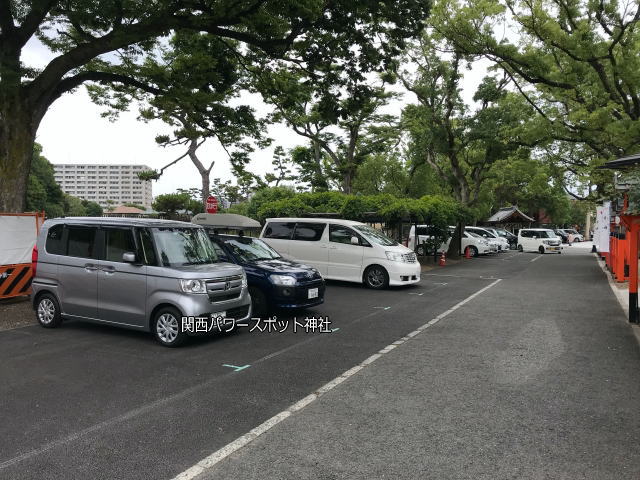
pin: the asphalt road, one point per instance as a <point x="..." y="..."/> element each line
<point x="86" y="401"/>
<point x="537" y="377"/>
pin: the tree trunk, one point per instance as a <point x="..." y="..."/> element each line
<point x="17" y="134"/>
<point x="346" y="182"/>
<point x="18" y="127"/>
<point x="455" y="246"/>
<point x="319" y="183"/>
<point x="206" y="186"/>
<point x="204" y="172"/>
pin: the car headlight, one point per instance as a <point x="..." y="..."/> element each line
<point x="244" y="280"/>
<point x="283" y="280"/>
<point x="395" y="256"/>
<point x="193" y="286"/>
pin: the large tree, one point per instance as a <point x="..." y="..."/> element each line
<point x="193" y="85"/>
<point x="460" y="142"/>
<point x="341" y="121"/>
<point x="577" y="62"/>
<point x="88" y="39"/>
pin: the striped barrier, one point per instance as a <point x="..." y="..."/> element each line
<point x="15" y="280"/>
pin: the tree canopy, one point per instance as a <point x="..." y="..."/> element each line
<point x="576" y="62"/>
<point x="93" y="41"/>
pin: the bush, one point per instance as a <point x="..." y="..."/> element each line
<point x="438" y="211"/>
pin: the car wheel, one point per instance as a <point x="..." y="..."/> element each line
<point x="541" y="249"/>
<point x="259" y="305"/>
<point x="166" y="327"/>
<point x="48" y="311"/>
<point x="520" y="249"/>
<point x="473" y="251"/>
<point x="376" y="277"/>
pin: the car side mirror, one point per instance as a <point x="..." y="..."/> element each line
<point x="129" y="257"/>
<point x="355" y="241"/>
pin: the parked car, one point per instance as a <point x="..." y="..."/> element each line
<point x="274" y="281"/>
<point x="493" y="244"/>
<point x="511" y="238"/>
<point x="426" y="238"/>
<point x="540" y="240"/>
<point x="134" y="273"/>
<point x="477" y="244"/>
<point x="343" y="250"/>
<point x="501" y="243"/>
<point x="576" y="236"/>
<point x="564" y="236"/>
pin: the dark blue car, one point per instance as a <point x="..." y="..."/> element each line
<point x="274" y="282"/>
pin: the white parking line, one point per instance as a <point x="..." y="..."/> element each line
<point x="247" y="438"/>
<point x="534" y="259"/>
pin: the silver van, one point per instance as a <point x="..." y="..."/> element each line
<point x="142" y="274"/>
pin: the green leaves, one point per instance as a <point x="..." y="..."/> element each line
<point x="284" y="202"/>
<point x="459" y="142"/>
<point x="576" y="61"/>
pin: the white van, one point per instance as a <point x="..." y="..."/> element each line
<point x="343" y="250"/>
<point x="540" y="240"/>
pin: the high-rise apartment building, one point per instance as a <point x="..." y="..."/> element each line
<point x="105" y="184"/>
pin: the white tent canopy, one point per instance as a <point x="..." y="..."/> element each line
<point x="18" y="235"/>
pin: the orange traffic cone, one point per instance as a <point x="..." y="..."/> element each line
<point x="443" y="260"/>
<point x="467" y="253"/>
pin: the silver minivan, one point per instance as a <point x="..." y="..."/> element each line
<point x="149" y="275"/>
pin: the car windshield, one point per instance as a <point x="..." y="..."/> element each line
<point x="547" y="234"/>
<point x="473" y="234"/>
<point x="375" y="236"/>
<point x="184" y="246"/>
<point x="251" y="249"/>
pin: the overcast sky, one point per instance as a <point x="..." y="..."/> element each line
<point x="73" y="131"/>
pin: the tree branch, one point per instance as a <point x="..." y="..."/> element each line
<point x="6" y="19"/>
<point x="69" y="83"/>
<point x="39" y="10"/>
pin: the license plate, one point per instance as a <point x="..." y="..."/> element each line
<point x="313" y="293"/>
<point x="219" y="314"/>
<point x="554" y="248"/>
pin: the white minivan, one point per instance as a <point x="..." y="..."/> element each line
<point x="343" y="250"/>
<point x="540" y="240"/>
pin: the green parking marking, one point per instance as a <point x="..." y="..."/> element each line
<point x="235" y="367"/>
<point x="334" y="330"/>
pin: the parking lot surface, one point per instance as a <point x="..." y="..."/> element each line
<point x="535" y="377"/>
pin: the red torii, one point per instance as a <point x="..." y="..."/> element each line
<point x="630" y="246"/>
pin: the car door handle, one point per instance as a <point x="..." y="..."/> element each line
<point x="333" y="248"/>
<point x="90" y="267"/>
<point x="108" y="269"/>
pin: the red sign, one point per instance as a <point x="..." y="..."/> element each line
<point x="212" y="204"/>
